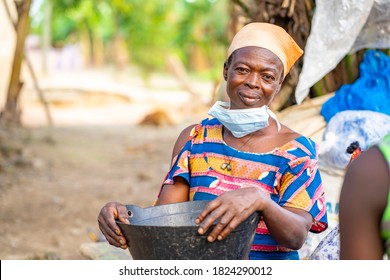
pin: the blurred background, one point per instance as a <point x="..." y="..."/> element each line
<point x="93" y="94"/>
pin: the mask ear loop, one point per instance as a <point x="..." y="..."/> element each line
<point x="272" y="115"/>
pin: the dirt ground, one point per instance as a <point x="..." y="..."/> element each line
<point x="92" y="155"/>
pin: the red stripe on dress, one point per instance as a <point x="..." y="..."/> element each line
<point x="270" y="248"/>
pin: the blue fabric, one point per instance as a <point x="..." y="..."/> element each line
<point x="253" y="255"/>
<point x="371" y="91"/>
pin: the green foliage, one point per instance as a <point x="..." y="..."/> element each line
<point x="203" y="25"/>
<point x="150" y="28"/>
<point x="147" y="28"/>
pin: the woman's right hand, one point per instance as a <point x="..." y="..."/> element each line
<point x="108" y="214"/>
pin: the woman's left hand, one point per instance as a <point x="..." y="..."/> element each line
<point x="229" y="209"/>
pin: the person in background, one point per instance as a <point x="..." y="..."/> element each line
<point x="364" y="214"/>
<point x="243" y="159"/>
<point x="329" y="246"/>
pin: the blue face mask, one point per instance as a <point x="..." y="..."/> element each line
<point x="242" y="122"/>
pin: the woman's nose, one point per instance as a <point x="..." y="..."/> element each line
<point x="253" y="80"/>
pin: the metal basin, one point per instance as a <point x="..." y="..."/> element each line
<point x="168" y="232"/>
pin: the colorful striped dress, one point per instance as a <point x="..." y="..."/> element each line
<point x="385" y="225"/>
<point x="288" y="174"/>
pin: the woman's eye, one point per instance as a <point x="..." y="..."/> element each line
<point x="242" y="70"/>
<point x="269" y="77"/>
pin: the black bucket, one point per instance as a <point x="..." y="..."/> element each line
<point x="169" y="232"/>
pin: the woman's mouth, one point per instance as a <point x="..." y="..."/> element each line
<point x="248" y="99"/>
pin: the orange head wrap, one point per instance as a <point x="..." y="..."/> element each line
<point x="270" y="37"/>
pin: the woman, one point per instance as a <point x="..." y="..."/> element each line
<point x="243" y="159"/>
<point x="365" y="206"/>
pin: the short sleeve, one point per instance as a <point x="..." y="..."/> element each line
<point x="179" y="165"/>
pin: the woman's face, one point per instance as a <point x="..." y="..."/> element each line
<point x="254" y="76"/>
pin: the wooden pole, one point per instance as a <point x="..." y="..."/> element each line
<point x="11" y="112"/>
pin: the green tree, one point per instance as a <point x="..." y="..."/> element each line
<point x="193" y="30"/>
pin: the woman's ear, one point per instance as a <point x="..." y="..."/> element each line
<point x="225" y="70"/>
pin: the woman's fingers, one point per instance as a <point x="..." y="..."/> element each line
<point x="233" y="224"/>
<point x="222" y="217"/>
<point x="108" y="226"/>
<point x="115" y="240"/>
<point x="207" y="210"/>
<point x="226" y="212"/>
<point x="223" y="225"/>
<point x="208" y="216"/>
<point x="112" y="237"/>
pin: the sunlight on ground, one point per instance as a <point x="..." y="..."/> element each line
<point x="101" y="96"/>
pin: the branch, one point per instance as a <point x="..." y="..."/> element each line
<point x="30" y="68"/>
<point x="244" y="8"/>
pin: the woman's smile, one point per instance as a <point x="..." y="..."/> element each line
<point x="249" y="99"/>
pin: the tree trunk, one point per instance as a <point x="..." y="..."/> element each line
<point x="46" y="34"/>
<point x="11" y="113"/>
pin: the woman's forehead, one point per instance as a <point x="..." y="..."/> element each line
<point x="256" y="55"/>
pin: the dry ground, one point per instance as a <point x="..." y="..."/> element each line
<point x="93" y="154"/>
<point x="47" y="208"/>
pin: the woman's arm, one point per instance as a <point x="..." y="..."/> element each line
<point x="363" y="199"/>
<point x="179" y="191"/>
